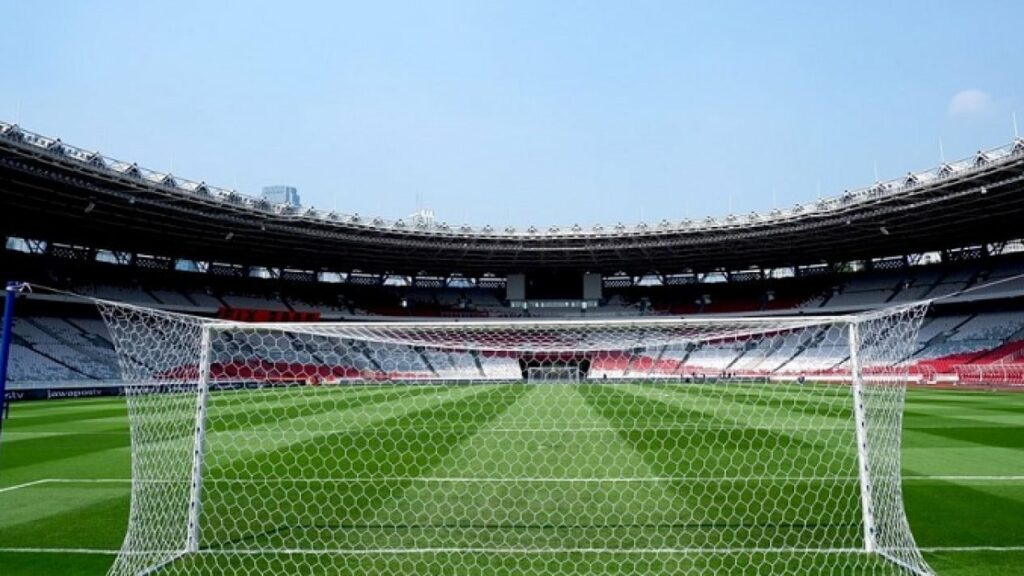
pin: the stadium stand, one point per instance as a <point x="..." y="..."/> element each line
<point x="77" y="349"/>
<point x="346" y="267"/>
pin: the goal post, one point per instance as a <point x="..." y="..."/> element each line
<point x="861" y="432"/>
<point x="764" y="445"/>
<point x="199" y="441"/>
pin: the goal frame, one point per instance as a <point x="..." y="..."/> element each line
<point x="851" y="324"/>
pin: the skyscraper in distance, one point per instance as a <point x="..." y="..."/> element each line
<point x="282" y="195"/>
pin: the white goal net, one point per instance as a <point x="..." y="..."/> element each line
<point x="702" y="446"/>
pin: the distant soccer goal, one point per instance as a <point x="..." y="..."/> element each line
<point x="665" y="446"/>
<point x="554" y="373"/>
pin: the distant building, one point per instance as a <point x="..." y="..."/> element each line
<point x="282" y="195"/>
<point x="423" y="218"/>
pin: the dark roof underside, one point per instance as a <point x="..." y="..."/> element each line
<point x="45" y="198"/>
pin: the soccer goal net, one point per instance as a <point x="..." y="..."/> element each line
<point x="665" y="446"/>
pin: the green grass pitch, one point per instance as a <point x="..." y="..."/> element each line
<point x="64" y="470"/>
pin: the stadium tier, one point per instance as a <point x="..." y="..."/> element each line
<point x="951" y="347"/>
<point x="972" y="334"/>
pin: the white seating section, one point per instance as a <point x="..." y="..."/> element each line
<point x="712" y="358"/>
<point x="992" y="326"/>
<point x="26" y="365"/>
<point x="939" y="326"/>
<point x="500" y="368"/>
<point x="954" y="347"/>
<point x="54" y="349"/>
<point x="49" y="348"/>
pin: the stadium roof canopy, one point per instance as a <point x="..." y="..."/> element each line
<point x="59" y="193"/>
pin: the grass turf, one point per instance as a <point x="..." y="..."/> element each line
<point x="64" y="467"/>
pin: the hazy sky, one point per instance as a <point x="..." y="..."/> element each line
<point x="521" y="112"/>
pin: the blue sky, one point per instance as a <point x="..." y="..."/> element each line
<point x="521" y="112"/>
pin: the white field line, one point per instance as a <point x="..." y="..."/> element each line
<point x="566" y="550"/>
<point x="524" y="430"/>
<point x="538" y="480"/>
<point x="931" y="549"/>
<point x="595" y="479"/>
<point x="63" y="433"/>
<point x="25" y="485"/>
<point x="589" y="550"/>
<point x="682" y="427"/>
<point x="968" y="478"/>
<point x="97" y="551"/>
<point x="709" y="551"/>
<point x="30" y="431"/>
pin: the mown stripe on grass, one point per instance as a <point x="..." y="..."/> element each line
<point x="228" y="446"/>
<point x="80" y="516"/>
<point x="285" y="408"/>
<point x="824" y="513"/>
<point x="789" y="400"/>
<point x="247" y="436"/>
<point x="967" y="418"/>
<point x="396" y="446"/>
<point x="25" y="452"/>
<point x="550" y="495"/>
<point x="987" y="436"/>
<point x="833" y="436"/>
<point x="950" y="513"/>
<point x="636" y="407"/>
<point x="243" y="397"/>
<point x="12" y="437"/>
<point x="98" y="413"/>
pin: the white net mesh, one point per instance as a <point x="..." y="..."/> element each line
<point x="706" y="446"/>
